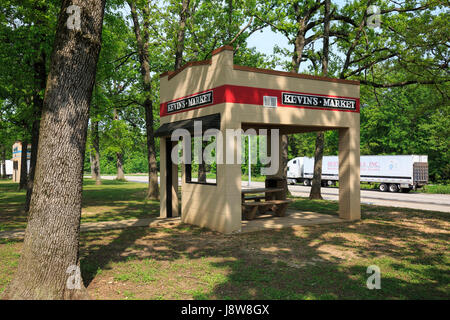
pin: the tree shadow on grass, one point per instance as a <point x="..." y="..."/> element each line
<point x="113" y="201"/>
<point x="319" y="206"/>
<point x="111" y="191"/>
<point x="12" y="214"/>
<point x="116" y="200"/>
<point x="98" y="256"/>
<point x="318" y="275"/>
<point x="317" y="262"/>
<point x="123" y="212"/>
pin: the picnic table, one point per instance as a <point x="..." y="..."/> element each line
<point x="251" y="205"/>
<point x="260" y="190"/>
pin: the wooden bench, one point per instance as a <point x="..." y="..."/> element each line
<point x="256" y="198"/>
<point x="261" y="190"/>
<point x="258" y="194"/>
<point x="279" y="207"/>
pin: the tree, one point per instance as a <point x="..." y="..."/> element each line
<point x="119" y="141"/>
<point x="23" y="165"/>
<point x="318" y="154"/>
<point x="142" y="41"/>
<point x="181" y="34"/>
<point x="95" y="152"/>
<point x="51" y="244"/>
<point x="27" y="31"/>
<point x="410" y="40"/>
<point x="6" y="141"/>
<point x="3" y="157"/>
<point x="115" y="73"/>
<point x="294" y="20"/>
<point x="408" y="120"/>
<point x="40" y="79"/>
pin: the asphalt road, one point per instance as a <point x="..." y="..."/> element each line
<point x="414" y="200"/>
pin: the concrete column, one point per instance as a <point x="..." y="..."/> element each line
<point x="162" y="178"/>
<point x="165" y="157"/>
<point x="349" y="188"/>
<point x="175" y="201"/>
<point x="229" y="179"/>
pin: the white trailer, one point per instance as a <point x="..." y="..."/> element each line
<point x="392" y="173"/>
<point x="9" y="168"/>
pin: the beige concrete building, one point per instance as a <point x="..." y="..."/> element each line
<point x="17" y="159"/>
<point x="227" y="96"/>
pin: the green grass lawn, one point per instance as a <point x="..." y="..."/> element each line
<point x="435" y="188"/>
<point x="113" y="200"/>
<point x="430" y="188"/>
<point x="176" y="261"/>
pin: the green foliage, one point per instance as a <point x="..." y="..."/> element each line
<point x="411" y="46"/>
<point x="26" y="35"/>
<point x="436" y="188"/>
<point x="408" y="120"/>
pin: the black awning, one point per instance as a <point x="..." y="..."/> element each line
<point x="208" y="122"/>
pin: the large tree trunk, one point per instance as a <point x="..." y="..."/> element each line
<point x="202" y="172"/>
<point x="299" y="46"/>
<point x="120" y="173"/>
<point x="284" y="158"/>
<point x="33" y="159"/>
<point x="153" y="189"/>
<point x="326" y="37"/>
<point x="50" y="256"/>
<point x="95" y="153"/>
<point x="181" y="34"/>
<point x="317" y="177"/>
<point x="3" y="162"/>
<point x="119" y="155"/>
<point x="38" y="103"/>
<point x="320" y="138"/>
<point x="300" y="38"/>
<point x="293" y="144"/>
<point x="142" y="38"/>
<point x="202" y="166"/>
<point x="303" y="14"/>
<point x="23" y="166"/>
<point x="91" y="161"/>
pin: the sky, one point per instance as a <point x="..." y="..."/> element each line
<point x="265" y="41"/>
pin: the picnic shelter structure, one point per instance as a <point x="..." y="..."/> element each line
<point x="226" y="96"/>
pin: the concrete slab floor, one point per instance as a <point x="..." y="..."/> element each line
<point x="292" y="218"/>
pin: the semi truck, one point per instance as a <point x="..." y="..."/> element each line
<point x="9" y="168"/>
<point x="391" y="173"/>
